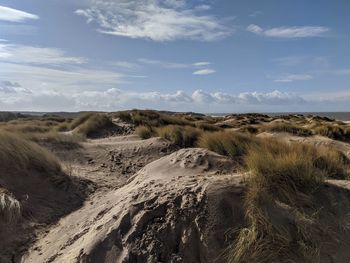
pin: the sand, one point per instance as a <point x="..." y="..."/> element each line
<point x="167" y="212"/>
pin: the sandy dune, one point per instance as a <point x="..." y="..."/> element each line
<point x="167" y="212"/>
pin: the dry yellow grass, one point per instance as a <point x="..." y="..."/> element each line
<point x="232" y="144"/>
<point x="285" y="174"/>
<point x="20" y="156"/>
<point x="286" y="127"/>
<point x="10" y="208"/>
<point x="144" y="132"/>
<point x="94" y="124"/>
<point x="183" y="136"/>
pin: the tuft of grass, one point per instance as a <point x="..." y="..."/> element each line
<point x="333" y="131"/>
<point x="10" y="208"/>
<point x="68" y="141"/>
<point x="249" y="129"/>
<point x="144" y="132"/>
<point x="80" y="120"/>
<point x="20" y="156"/>
<point x="231" y="144"/>
<point x="183" y="136"/>
<point x="287" y="174"/>
<point x="287" y="127"/>
<point x="207" y="126"/>
<point x="152" y="118"/>
<point x="94" y="124"/>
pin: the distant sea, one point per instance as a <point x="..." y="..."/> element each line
<point x="342" y="116"/>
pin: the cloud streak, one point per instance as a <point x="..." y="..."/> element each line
<point x="36" y="55"/>
<point x="155" y="20"/>
<point x="13" y="15"/>
<point x="289" y="32"/>
<point x="294" y="77"/>
<point x="204" y="72"/>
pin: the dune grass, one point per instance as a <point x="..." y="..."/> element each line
<point x="231" y="144"/>
<point x="286" y="127"/>
<point x="94" y="124"/>
<point x="183" y="136"/>
<point x="152" y="118"/>
<point x="207" y="126"/>
<point x="287" y="174"/>
<point x="144" y="132"/>
<point x="80" y="120"/>
<point x="20" y="156"/>
<point x="333" y="131"/>
<point x="10" y="208"/>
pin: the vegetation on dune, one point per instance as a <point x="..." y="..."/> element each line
<point x="67" y="141"/>
<point x="80" y="120"/>
<point x="157" y="119"/>
<point x="21" y="156"/>
<point x="287" y="175"/>
<point x="94" y="124"/>
<point x="207" y="126"/>
<point x="10" y="207"/>
<point x="144" y="132"/>
<point x="183" y="136"/>
<point x="231" y="144"/>
<point x="333" y="131"/>
<point x="286" y="127"/>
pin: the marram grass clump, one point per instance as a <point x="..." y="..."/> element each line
<point x="284" y="176"/>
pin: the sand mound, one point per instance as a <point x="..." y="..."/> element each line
<point x="176" y="209"/>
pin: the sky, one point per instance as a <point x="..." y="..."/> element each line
<point x="206" y="56"/>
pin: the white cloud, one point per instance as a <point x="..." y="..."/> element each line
<point x="163" y="64"/>
<point x="155" y="20"/>
<point x="294" y="77"/>
<point x="204" y="72"/>
<point x="115" y="98"/>
<point x="172" y="65"/>
<point x="201" y="64"/>
<point x="289" y="32"/>
<point x="36" y="55"/>
<point x="14" y="15"/>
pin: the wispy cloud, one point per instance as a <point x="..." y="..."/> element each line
<point x="206" y="71"/>
<point x="36" y="55"/>
<point x="174" y="65"/>
<point x="201" y="64"/>
<point x="14" y="15"/>
<point x="289" y="32"/>
<point x="255" y="14"/>
<point x="293" y="77"/>
<point x="155" y="20"/>
<point x="163" y="64"/>
<point x="313" y="61"/>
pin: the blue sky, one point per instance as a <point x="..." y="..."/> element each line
<point x="204" y="55"/>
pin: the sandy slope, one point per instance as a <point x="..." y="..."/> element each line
<point x="170" y="211"/>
